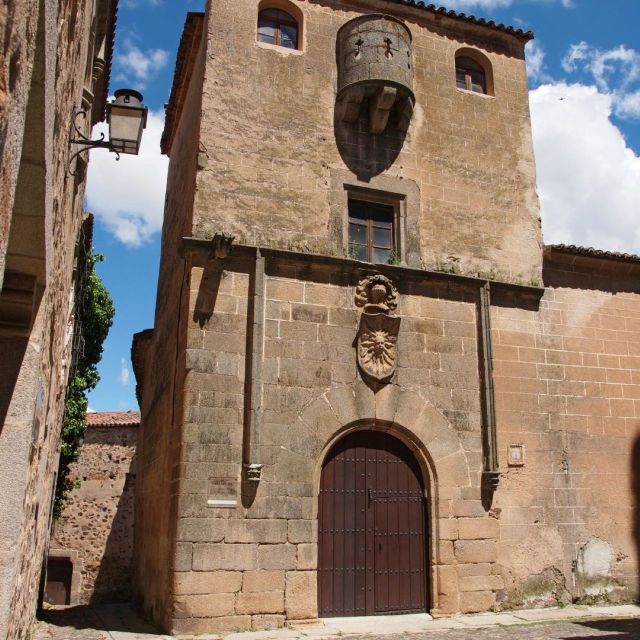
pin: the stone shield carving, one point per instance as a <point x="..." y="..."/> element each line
<point x="377" y="345"/>
<point x="378" y="331"/>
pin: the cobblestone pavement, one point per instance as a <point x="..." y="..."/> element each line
<point x="604" y="629"/>
<point x="119" y="622"/>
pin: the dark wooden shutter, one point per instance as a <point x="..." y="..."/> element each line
<point x="372" y="542"/>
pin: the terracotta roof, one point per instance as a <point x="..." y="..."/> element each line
<point x="590" y="252"/>
<point x="443" y="11"/>
<point x="187" y="50"/>
<point x="113" y="419"/>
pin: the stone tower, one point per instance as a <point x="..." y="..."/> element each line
<point x="351" y="203"/>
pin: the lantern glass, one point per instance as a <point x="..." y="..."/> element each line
<point x="127" y="119"/>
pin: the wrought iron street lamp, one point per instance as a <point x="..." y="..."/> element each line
<point x="127" y="117"/>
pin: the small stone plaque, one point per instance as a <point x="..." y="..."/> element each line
<point x="516" y="455"/>
<point x="221" y="503"/>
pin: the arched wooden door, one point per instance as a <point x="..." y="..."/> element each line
<point x="372" y="529"/>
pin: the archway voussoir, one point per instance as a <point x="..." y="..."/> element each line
<point x="453" y="470"/>
<point x="409" y="409"/>
<point x="386" y="402"/>
<point x="343" y="404"/>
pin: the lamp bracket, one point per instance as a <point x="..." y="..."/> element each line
<point x="86" y="143"/>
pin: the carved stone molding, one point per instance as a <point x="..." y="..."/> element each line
<point x="377" y="339"/>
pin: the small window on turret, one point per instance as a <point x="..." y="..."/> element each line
<point x="278" y="27"/>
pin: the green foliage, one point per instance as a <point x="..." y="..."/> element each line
<point x="394" y="259"/>
<point x="450" y="265"/>
<point x="94" y="315"/>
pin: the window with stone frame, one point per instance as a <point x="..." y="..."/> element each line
<point x="470" y="75"/>
<point x="278" y="27"/>
<point x="371" y="232"/>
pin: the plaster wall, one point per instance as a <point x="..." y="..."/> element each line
<point x="567" y="389"/>
<point x="273" y="143"/>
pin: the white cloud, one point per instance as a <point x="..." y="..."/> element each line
<point x="480" y="4"/>
<point x="133" y="4"/>
<point x="459" y="5"/>
<point x="615" y="71"/>
<point x="534" y="54"/>
<point x="128" y="196"/>
<point x="139" y="65"/>
<point x="628" y="105"/>
<point x="588" y="178"/>
<point x="123" y="378"/>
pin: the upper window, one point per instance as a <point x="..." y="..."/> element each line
<point x="371" y="232"/>
<point x="278" y="27"/>
<point x="470" y="75"/>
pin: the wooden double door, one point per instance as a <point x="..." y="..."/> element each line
<point x="372" y="529"/>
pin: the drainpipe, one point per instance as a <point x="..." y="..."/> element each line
<point x="490" y="471"/>
<point x="253" y="386"/>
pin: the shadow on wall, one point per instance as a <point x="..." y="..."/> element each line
<point x="13" y="350"/>
<point x="635" y="480"/>
<point x="113" y="579"/>
<point x="365" y="154"/>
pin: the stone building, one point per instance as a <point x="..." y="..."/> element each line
<point x="369" y="387"/>
<point x="92" y="542"/>
<point x="54" y="57"/>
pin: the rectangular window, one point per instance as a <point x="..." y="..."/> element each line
<point x="371" y="232"/>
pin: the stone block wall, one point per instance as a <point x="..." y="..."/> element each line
<point x="253" y="363"/>
<point x="161" y="406"/>
<point x="98" y="517"/>
<point x="251" y="563"/>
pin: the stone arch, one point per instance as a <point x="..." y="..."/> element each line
<point x="408" y="416"/>
<point x="481" y="59"/>
<point x="292" y="9"/>
<point x="400" y="410"/>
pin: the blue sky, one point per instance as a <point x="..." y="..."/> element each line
<point x="584" y="69"/>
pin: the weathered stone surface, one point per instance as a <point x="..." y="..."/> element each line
<point x="481" y="583"/>
<point x="300" y="595"/>
<point x="204" y="606"/>
<point x="251" y="530"/>
<point x="258" y="581"/>
<point x="478" y="528"/>
<point x="475" y="550"/>
<point x="472" y="602"/>
<point x="204" y="582"/>
<point x="307" y="556"/>
<point x="230" y="557"/>
<point x="262" y="602"/>
<point x="277" y="556"/>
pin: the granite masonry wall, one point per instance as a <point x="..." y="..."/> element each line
<point x="96" y="526"/>
<point x="253" y="360"/>
<point x="46" y="70"/>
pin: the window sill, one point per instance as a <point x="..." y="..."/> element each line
<point x="486" y="96"/>
<point x="279" y="49"/>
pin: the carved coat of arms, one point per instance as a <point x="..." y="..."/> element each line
<point x="378" y="332"/>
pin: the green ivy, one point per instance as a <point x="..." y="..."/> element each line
<point x="94" y="313"/>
